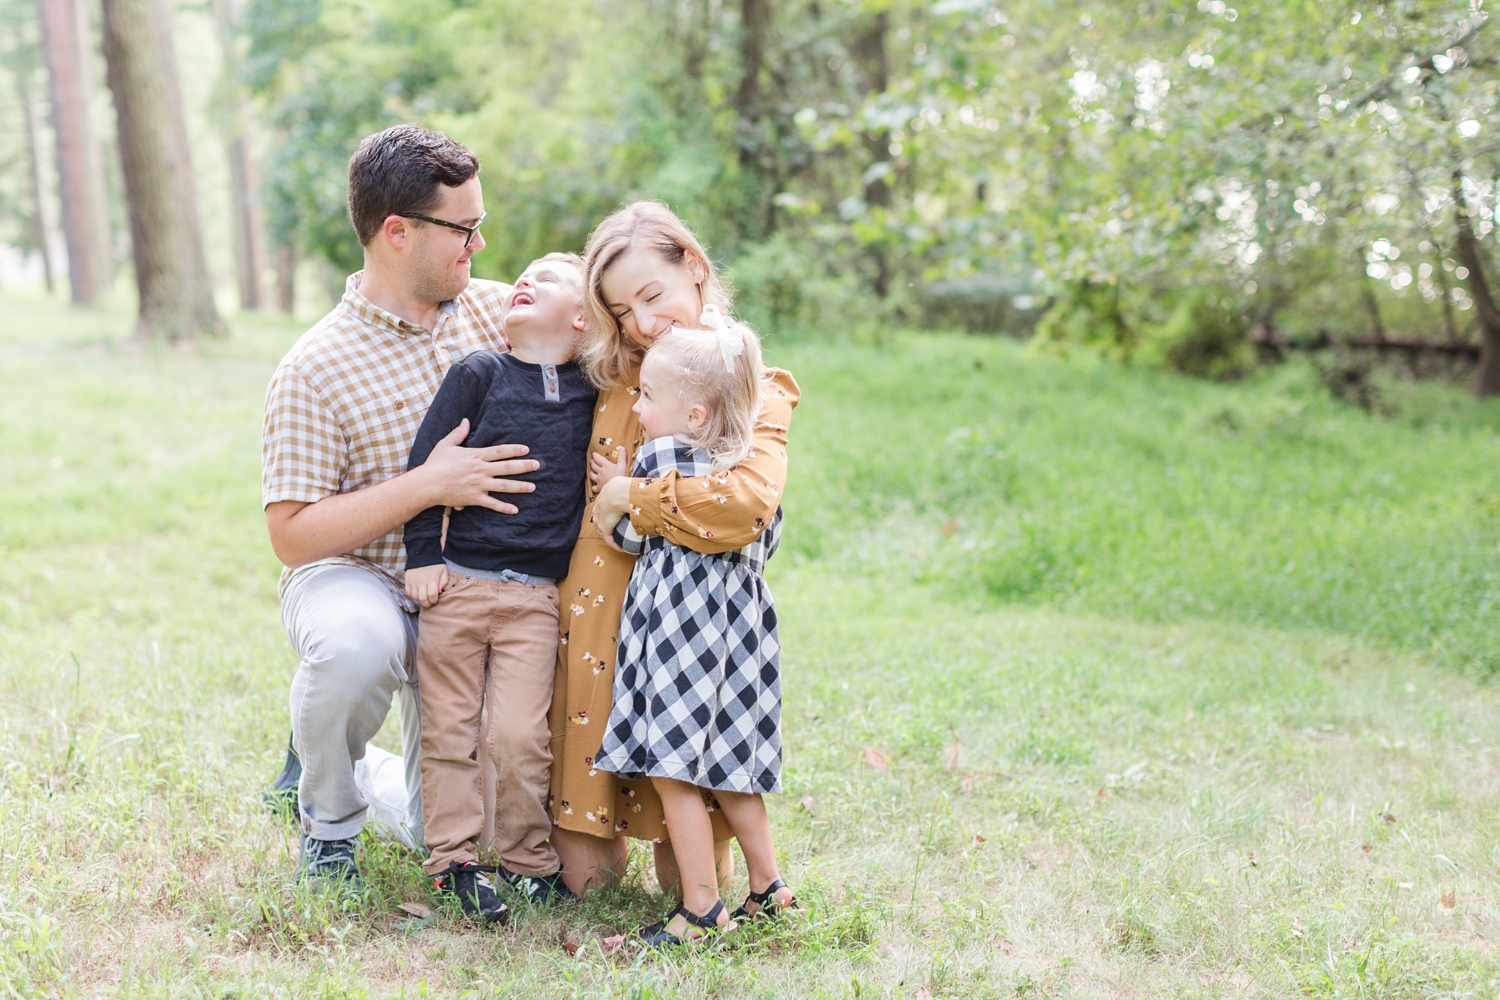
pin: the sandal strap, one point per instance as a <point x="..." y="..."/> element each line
<point x="709" y="920"/>
<point x="762" y="898"/>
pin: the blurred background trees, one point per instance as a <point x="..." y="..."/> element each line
<point x="1183" y="184"/>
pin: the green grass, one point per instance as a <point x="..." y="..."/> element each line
<point x="1098" y="683"/>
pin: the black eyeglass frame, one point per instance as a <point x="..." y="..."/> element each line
<point x="468" y="231"/>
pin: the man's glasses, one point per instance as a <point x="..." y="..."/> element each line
<point x="468" y="231"/>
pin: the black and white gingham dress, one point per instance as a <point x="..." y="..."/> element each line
<point x="698" y="679"/>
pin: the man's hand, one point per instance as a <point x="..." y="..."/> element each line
<point x="602" y="470"/>
<point x="452" y="476"/>
<point x="425" y="584"/>
<point x="465" y="477"/>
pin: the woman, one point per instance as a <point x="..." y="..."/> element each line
<point x="646" y="272"/>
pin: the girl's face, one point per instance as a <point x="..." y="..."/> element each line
<point x="661" y="406"/>
<point x="649" y="295"/>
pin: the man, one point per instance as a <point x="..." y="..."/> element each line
<point x="341" y="413"/>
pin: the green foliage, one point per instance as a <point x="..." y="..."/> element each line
<point x="1107" y="160"/>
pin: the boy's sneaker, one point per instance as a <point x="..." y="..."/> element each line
<point x="329" y="859"/>
<point x="539" y="889"/>
<point x="476" y="893"/>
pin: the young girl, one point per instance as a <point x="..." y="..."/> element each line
<point x="697" y="692"/>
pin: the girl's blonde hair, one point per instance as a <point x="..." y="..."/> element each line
<point x="606" y="354"/>
<point x="721" y="369"/>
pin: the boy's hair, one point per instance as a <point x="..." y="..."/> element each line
<point x="707" y="371"/>
<point x="605" y="353"/>
<point x="398" y="171"/>
<point x="563" y="255"/>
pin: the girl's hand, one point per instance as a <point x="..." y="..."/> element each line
<point x="602" y="470"/>
<point x="613" y="503"/>
<point x="425" y="584"/>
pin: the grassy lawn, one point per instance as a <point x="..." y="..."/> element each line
<point x="1098" y="683"/>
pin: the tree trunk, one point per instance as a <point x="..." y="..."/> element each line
<point x="171" y="273"/>
<point x="868" y="49"/>
<point x="94" y="151"/>
<point x="249" y="240"/>
<point x="77" y="148"/>
<point x="39" y="239"/>
<point x="755" y="22"/>
<point x="286" y="277"/>
<point x="1471" y="255"/>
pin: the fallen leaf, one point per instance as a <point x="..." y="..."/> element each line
<point x="1190" y="715"/>
<point x="811" y="805"/>
<point x="875" y="758"/>
<point x="1297" y="929"/>
<point x="1389" y="818"/>
<point x="949" y="527"/>
<point x="966" y="784"/>
<point x="951" y="757"/>
<point x="1366" y="848"/>
<point x="571" y="947"/>
<point x="1101" y="794"/>
<point x="924" y="993"/>
<point x="1406" y="885"/>
<point x="1449" y="900"/>
<point x="419" y="910"/>
<point x="978" y="838"/>
<point x="612" y="944"/>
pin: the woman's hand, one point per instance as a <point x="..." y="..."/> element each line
<point x="613" y="503"/>
<point x="425" y="584"/>
<point x="602" y="470"/>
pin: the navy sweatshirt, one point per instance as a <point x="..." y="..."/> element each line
<point x="548" y="408"/>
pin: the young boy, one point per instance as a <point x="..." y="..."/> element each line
<point x="489" y="621"/>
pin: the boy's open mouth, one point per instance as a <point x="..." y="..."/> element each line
<point x="522" y="299"/>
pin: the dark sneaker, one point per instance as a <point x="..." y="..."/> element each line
<point x="475" y="892"/>
<point x="329" y="859"/>
<point x="282" y="795"/>
<point x="539" y="889"/>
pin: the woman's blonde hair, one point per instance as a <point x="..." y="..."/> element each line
<point x="721" y="369"/>
<point x="606" y="354"/>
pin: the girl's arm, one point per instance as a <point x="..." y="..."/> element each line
<point x="727" y="510"/>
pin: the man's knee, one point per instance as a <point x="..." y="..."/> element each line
<point x="361" y="647"/>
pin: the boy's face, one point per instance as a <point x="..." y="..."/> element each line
<point x="546" y="303"/>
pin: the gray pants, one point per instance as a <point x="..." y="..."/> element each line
<point x="356" y="651"/>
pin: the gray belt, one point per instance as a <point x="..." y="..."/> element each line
<point x="504" y="575"/>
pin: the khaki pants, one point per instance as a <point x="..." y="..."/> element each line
<point x="488" y="645"/>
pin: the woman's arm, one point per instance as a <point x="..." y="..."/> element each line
<point x="727" y="510"/>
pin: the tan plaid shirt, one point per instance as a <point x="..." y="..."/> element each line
<point x="345" y="403"/>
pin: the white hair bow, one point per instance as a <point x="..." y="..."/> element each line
<point x="726" y="331"/>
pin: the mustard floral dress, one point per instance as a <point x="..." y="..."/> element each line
<point x="706" y="514"/>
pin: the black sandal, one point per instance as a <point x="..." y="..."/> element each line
<point x="760" y="899"/>
<point x="656" y="935"/>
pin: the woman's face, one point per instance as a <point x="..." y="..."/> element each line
<point x="649" y="294"/>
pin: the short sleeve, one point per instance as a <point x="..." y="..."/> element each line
<point x="304" y="455"/>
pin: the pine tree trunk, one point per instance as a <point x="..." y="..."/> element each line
<point x="249" y="239"/>
<point x="1471" y="255"/>
<point x="249" y="244"/>
<point x="171" y="272"/>
<point x="286" y="277"/>
<point x="77" y="148"/>
<point x="39" y="239"/>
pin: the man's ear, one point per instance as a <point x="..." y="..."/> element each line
<point x="395" y="231"/>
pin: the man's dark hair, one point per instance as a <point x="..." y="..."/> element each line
<point x="399" y="171"/>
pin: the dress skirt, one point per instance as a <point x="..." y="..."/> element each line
<point x="697" y="693"/>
